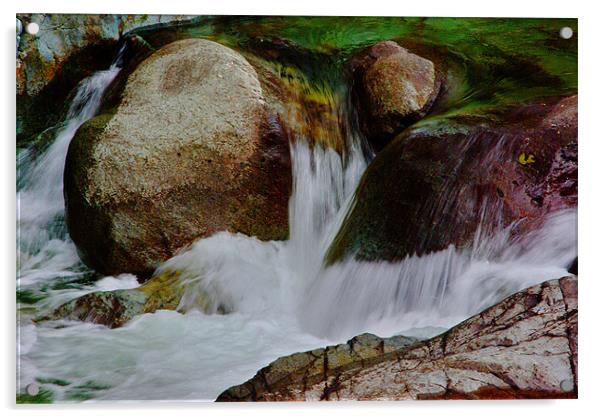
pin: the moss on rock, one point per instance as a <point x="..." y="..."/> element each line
<point x="117" y="307"/>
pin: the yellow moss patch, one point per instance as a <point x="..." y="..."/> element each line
<point x="163" y="291"/>
<point x="311" y="109"/>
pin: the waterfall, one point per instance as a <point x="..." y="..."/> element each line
<point x="259" y="300"/>
<point x="44" y="249"/>
<point x="421" y="294"/>
<point x="440" y="289"/>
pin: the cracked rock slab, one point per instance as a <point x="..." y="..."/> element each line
<point x="521" y="348"/>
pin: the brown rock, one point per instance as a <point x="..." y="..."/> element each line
<point x="434" y="186"/>
<point x="395" y="88"/>
<point x="190" y="150"/>
<point x="311" y="366"/>
<point x="115" y="308"/>
<point x="523" y="347"/>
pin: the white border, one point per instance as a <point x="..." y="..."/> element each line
<point x="461" y="8"/>
<point x="590" y="152"/>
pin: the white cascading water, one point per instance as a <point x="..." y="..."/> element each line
<point x="44" y="251"/>
<point x="279" y="296"/>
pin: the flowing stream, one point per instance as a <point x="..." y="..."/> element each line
<point x="281" y="297"/>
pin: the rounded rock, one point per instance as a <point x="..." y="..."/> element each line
<point x="394" y="87"/>
<point x="191" y="149"/>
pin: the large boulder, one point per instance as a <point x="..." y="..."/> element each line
<point x="523" y="347"/>
<point x="394" y="88"/>
<point x="437" y="184"/>
<point x="190" y="149"/>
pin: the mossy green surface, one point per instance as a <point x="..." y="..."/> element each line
<point x="508" y="60"/>
<point x="163" y="291"/>
<point x="499" y="62"/>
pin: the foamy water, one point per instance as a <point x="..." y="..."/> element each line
<point x="279" y="296"/>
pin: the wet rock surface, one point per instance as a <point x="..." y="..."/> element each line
<point x="191" y="149"/>
<point x="523" y="347"/>
<point x="67" y="48"/>
<point x="115" y="308"/>
<point x="311" y="367"/>
<point x="438" y="184"/>
<point x="394" y="88"/>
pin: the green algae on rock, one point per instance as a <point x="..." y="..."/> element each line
<point x="497" y="62"/>
<point x="520" y="58"/>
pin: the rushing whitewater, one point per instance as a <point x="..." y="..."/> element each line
<point x="279" y="297"/>
<point x="44" y="250"/>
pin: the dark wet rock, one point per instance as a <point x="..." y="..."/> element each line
<point x="115" y="308"/>
<point x="190" y="148"/>
<point x="394" y="87"/>
<point x="573" y="268"/>
<point x="112" y="309"/>
<point x="67" y="48"/>
<point x="523" y="347"/>
<point x="436" y="183"/>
